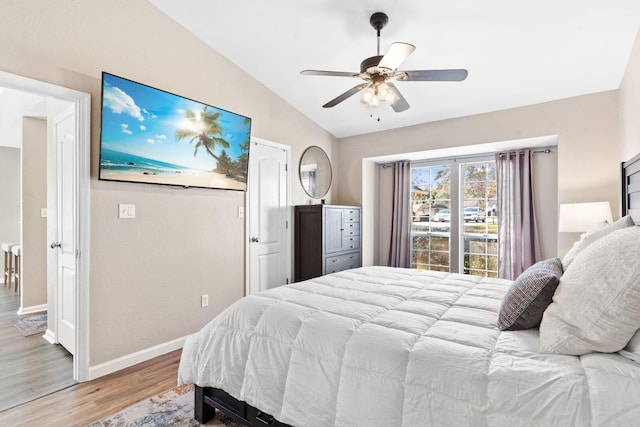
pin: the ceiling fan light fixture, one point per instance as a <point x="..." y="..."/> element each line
<point x="369" y="98"/>
<point x="383" y="91"/>
<point x="379" y="71"/>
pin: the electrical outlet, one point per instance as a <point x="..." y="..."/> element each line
<point x="204" y="300"/>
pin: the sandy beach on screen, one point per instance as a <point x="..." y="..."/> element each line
<point x="205" y="179"/>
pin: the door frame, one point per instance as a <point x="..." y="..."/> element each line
<point x="82" y="105"/>
<point x="288" y="240"/>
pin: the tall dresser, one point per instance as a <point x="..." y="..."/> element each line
<point x="327" y="239"/>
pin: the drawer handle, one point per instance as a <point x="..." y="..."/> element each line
<point x="264" y="418"/>
<point x="333" y="260"/>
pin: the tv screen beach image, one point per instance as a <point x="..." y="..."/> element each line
<point x="152" y="136"/>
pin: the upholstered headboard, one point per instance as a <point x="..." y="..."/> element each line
<point x="631" y="188"/>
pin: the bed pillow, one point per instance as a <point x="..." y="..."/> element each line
<point x="592" y="235"/>
<point x="529" y="296"/>
<point x="632" y="350"/>
<point x="596" y="306"/>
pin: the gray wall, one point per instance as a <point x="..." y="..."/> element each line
<point x="9" y="196"/>
<point x="34" y="228"/>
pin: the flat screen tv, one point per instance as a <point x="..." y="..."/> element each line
<point x="152" y="136"/>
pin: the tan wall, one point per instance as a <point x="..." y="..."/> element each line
<point x="630" y="104"/>
<point x="147" y="274"/>
<point x="33" y="273"/>
<point x="588" y="158"/>
<point x="9" y="196"/>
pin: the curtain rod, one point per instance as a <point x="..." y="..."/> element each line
<point x="546" y="151"/>
<point x="512" y="153"/>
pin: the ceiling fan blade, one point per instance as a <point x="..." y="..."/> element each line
<point x="337" y="100"/>
<point x="396" y="55"/>
<point x="400" y="104"/>
<point x="328" y="73"/>
<point x="435" y="75"/>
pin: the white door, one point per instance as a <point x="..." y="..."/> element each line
<point x="269" y="224"/>
<point x="66" y="244"/>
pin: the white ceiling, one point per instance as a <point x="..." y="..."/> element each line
<point x="517" y="53"/>
<point x="13" y="106"/>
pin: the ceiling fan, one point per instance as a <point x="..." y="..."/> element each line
<point x="378" y="71"/>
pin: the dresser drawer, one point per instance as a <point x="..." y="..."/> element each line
<point x="350" y="215"/>
<point x="351" y="229"/>
<point x="342" y="262"/>
<point x="350" y="242"/>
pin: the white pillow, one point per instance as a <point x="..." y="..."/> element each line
<point x="632" y="350"/>
<point x="597" y="232"/>
<point x="596" y="306"/>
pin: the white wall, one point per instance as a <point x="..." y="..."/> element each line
<point x="630" y="104"/>
<point x="9" y="196"/>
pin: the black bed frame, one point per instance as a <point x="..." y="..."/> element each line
<point x="631" y="188"/>
<point x="207" y="399"/>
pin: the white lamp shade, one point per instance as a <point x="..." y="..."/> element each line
<point x="580" y="217"/>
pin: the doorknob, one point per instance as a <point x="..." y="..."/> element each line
<point x="56" y="245"/>
<point x="255" y="240"/>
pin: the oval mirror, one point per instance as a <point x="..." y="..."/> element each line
<point x="315" y="172"/>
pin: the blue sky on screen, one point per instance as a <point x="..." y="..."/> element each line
<point x="141" y="120"/>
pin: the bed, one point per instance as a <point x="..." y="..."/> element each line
<point x="381" y="346"/>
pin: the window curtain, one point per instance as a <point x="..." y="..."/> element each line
<point x="518" y="246"/>
<point x="400" y="250"/>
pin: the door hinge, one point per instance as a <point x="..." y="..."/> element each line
<point x="286" y="224"/>
<point x="287" y="281"/>
<point x="286" y="167"/>
<point x="77" y="253"/>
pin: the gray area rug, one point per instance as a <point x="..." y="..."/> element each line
<point x="171" y="408"/>
<point x="31" y="325"/>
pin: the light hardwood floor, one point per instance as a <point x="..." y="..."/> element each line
<point x="29" y="366"/>
<point x="85" y="403"/>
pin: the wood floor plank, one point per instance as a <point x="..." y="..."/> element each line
<point x="29" y="366"/>
<point x="85" y="403"/>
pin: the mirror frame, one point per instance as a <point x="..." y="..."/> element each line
<point x="318" y="151"/>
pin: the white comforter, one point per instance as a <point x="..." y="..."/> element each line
<point x="380" y="346"/>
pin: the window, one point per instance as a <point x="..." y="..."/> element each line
<point x="480" y="231"/>
<point x="454" y="223"/>
<point x="430" y="229"/>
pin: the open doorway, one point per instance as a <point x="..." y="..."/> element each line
<point x="62" y="130"/>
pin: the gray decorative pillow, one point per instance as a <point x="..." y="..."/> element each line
<point x="529" y="295"/>
<point x="597" y="304"/>
<point x="591" y="236"/>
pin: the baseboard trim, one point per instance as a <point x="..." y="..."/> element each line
<point x="50" y="337"/>
<point x="123" y="362"/>
<point x="31" y="310"/>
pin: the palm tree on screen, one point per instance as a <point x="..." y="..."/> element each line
<point x="205" y="131"/>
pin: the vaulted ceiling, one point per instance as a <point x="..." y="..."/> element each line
<point x="517" y="53"/>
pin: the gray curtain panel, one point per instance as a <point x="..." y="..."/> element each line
<point x="518" y="246"/>
<point x="400" y="251"/>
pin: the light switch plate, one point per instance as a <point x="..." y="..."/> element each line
<point x="126" y="211"/>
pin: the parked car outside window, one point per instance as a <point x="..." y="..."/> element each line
<point x="443" y="215"/>
<point x="474" y="214"/>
